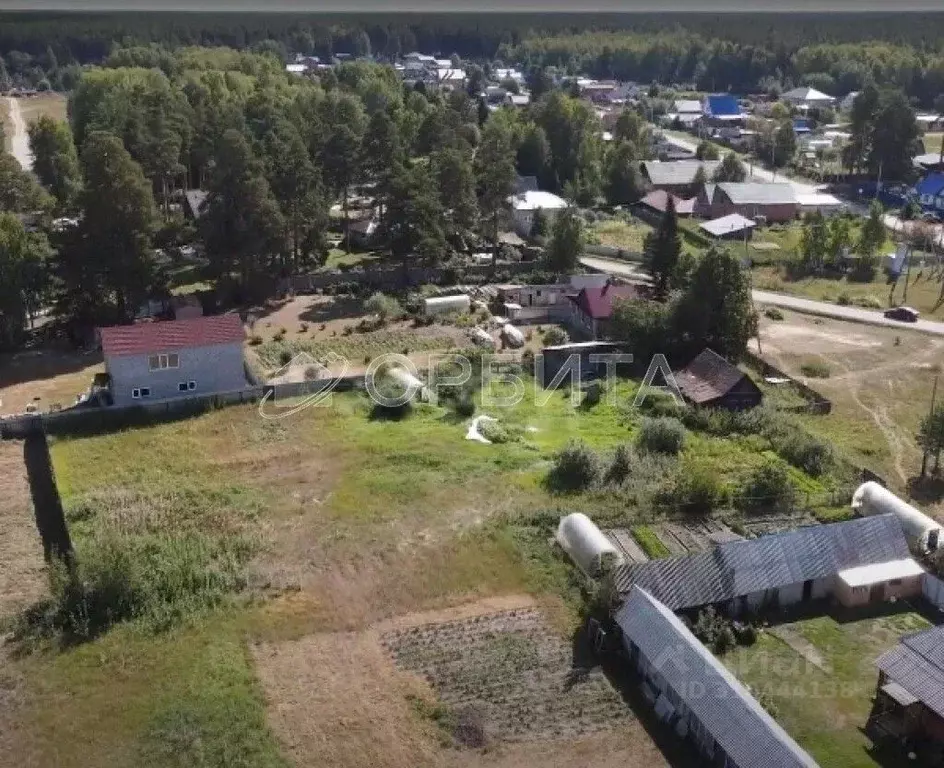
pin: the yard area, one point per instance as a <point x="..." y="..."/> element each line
<point x="280" y="576"/>
<point x="879" y="380"/>
<point x="818" y="677"/>
<point x="618" y="233"/>
<point x="45" y="376"/>
<point x="932" y="142"/>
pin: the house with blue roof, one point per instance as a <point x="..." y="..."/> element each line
<point x="722" y="114"/>
<point x="930" y="192"/>
<point x="801" y="126"/>
<point x="722" y="105"/>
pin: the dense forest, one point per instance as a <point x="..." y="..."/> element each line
<point x="742" y="52"/>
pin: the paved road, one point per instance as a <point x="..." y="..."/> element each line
<point x="19" y="138"/>
<point x="797" y="304"/>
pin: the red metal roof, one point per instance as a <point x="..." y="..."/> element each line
<point x="168" y="335"/>
<point x="598" y="302"/>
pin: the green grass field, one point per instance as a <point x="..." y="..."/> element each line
<point x="620" y="234"/>
<point x="823" y="705"/>
<point x="227" y="529"/>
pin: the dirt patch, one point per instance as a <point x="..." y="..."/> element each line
<point x="22" y="579"/>
<point x="513" y="673"/>
<point x="335" y="700"/>
<point x="339" y="699"/>
<point x="628" y="745"/>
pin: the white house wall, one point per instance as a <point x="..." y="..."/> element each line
<point x="213" y="369"/>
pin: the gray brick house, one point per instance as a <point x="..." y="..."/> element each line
<point x="162" y="360"/>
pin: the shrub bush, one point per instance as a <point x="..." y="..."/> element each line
<point x="843" y="300"/>
<point x="805" y="452"/>
<point x="698" y="490"/>
<point x="665" y="434"/>
<point x="464" y="404"/>
<point x="621" y="465"/>
<point x="772" y="313"/>
<point x="815" y="369"/>
<point x="768" y="488"/>
<point x="554" y="336"/>
<point x="593" y="394"/>
<point x="383" y="306"/>
<point x="496" y="432"/>
<point x="576" y="467"/>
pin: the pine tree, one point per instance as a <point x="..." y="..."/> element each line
<point x="663" y="249"/>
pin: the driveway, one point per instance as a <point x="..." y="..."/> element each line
<point x="19" y="138"/>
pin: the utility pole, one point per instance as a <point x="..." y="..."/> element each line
<point x="924" y="452"/>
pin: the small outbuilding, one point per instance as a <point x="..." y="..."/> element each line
<point x="877" y="582"/>
<point x="711" y="381"/>
<point x="731" y="227"/>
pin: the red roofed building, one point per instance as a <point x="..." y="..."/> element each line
<point x="593" y="307"/>
<point x="658" y="201"/>
<point x="174" y="358"/>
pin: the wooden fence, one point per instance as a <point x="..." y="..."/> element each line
<point x="816" y="403"/>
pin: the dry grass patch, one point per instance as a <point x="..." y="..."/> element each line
<point x="22" y="579"/>
<point x="880" y="384"/>
<point x="335" y="700"/>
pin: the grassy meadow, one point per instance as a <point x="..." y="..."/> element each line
<point x="202" y="538"/>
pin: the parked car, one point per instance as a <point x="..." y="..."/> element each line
<point x="905" y="314"/>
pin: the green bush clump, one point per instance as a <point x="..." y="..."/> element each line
<point x="697" y="490"/>
<point x="576" y="467"/>
<point x="767" y="489"/>
<point x="554" y="336"/>
<point x="621" y="465"/>
<point x="496" y="432"/>
<point x="772" y="313"/>
<point x="815" y="369"/>
<point x="665" y="434"/>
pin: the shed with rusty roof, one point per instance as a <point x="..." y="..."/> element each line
<point x="711" y="381"/>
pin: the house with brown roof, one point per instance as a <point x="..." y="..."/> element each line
<point x="162" y="360"/>
<point x="711" y="381"/>
<point x="593" y="308"/>
<point x="773" y="202"/>
<point x="657" y="201"/>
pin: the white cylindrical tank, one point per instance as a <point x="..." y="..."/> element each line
<point x="513" y="337"/>
<point x="439" y="305"/>
<point x="586" y="545"/>
<point x="921" y="531"/>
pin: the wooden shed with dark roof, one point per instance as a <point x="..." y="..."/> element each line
<point x="711" y="381"/>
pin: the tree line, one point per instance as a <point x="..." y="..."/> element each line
<point x="741" y="52"/>
<point x="273" y="153"/>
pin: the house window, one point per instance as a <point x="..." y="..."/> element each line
<point x="191" y="385"/>
<point x="182" y="387"/>
<point x="139" y="392"/>
<point x="161" y="362"/>
<point x="135" y="393"/>
<point x="145" y="391"/>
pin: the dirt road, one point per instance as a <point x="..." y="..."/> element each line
<point x="19" y="138"/>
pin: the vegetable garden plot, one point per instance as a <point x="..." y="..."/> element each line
<point x="513" y="671"/>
